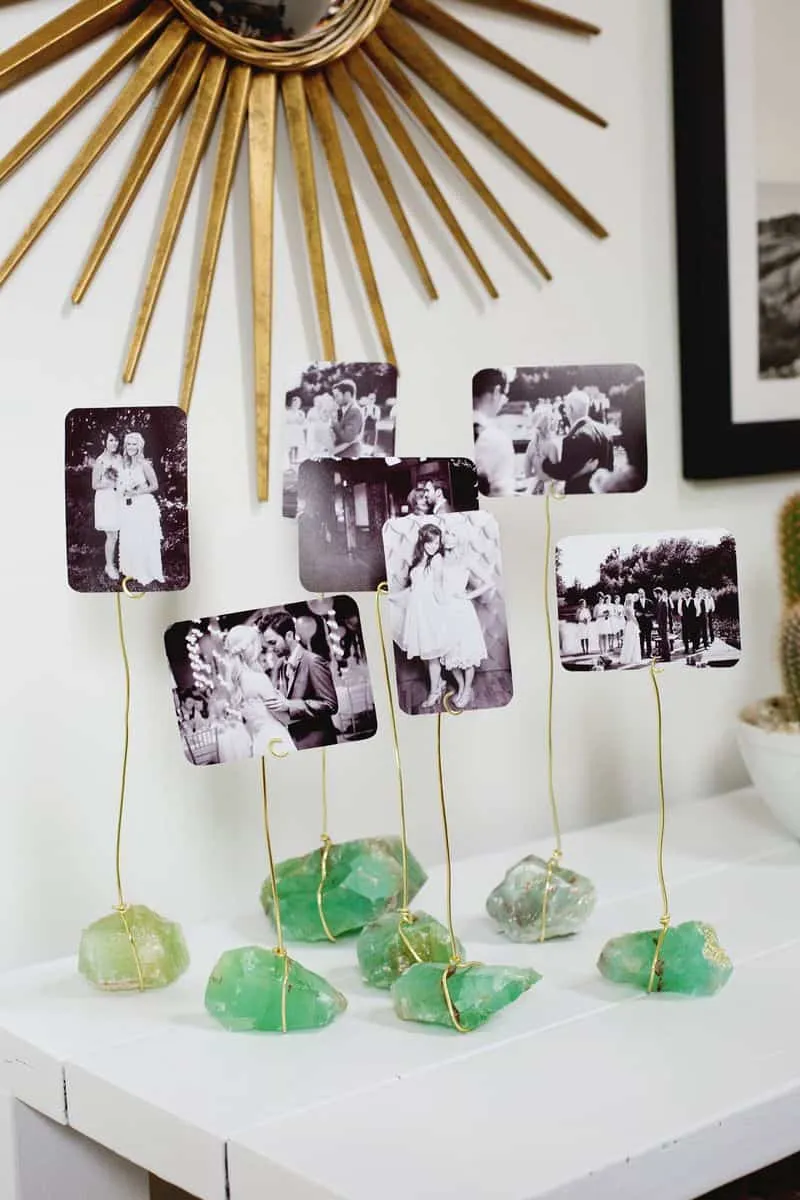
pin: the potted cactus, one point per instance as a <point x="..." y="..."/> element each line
<point x="769" y="731"/>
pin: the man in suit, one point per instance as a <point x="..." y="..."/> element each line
<point x="307" y="692"/>
<point x="495" y="456"/>
<point x="644" y="612"/>
<point x="662" y="621"/>
<point x="348" y="429"/>
<point x="688" y="621"/>
<point x="586" y="447"/>
<point x="436" y="498"/>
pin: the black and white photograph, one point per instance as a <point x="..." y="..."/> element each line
<point x="343" y="507"/>
<point x="126" y="499"/>
<point x="736" y="94"/>
<point x="271" y="680"/>
<point x="268" y="20"/>
<point x="574" y="430"/>
<point x="448" y="613"/>
<point x="626" y="601"/>
<point x="338" y="411"/>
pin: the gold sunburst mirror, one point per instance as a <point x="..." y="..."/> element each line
<point x="235" y="63"/>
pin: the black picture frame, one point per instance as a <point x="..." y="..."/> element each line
<point x="714" y="446"/>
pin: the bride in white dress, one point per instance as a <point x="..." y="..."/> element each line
<point x="140" y="518"/>
<point x="105" y="478"/>
<point x="631" y="653"/>
<point x="252" y="689"/>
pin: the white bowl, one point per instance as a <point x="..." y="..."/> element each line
<point x="773" y="759"/>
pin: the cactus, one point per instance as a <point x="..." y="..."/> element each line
<point x="790" y="658"/>
<point x="789" y="536"/>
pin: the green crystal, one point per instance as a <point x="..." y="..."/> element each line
<point x="691" y="960"/>
<point x="383" y="954"/>
<point x="246" y="988"/>
<point x="107" y="958"/>
<point x="516" y="904"/>
<point x="363" y="879"/>
<point x="476" y="992"/>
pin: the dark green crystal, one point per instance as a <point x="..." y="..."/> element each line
<point x="245" y="992"/>
<point x="364" y="878"/>
<point x="691" y="960"/>
<point x="476" y="993"/>
<point x="383" y="946"/>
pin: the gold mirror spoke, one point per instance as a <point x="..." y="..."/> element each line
<point x="438" y="21"/>
<point x="372" y="88"/>
<point x="176" y="96"/>
<point x="542" y="14"/>
<point x="415" y="52"/>
<point x="68" y="31"/>
<point x="138" y="34"/>
<point x="234" y="116"/>
<point x="151" y="69"/>
<point x="416" y="104"/>
<point x="294" y="104"/>
<point x="201" y="123"/>
<point x="347" y="98"/>
<point x="261" y="145"/>
<point x="322" y="111"/>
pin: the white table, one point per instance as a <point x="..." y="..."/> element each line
<point x="580" y="1089"/>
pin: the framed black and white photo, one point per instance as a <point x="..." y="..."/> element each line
<point x="286" y="678"/>
<point x="626" y="600"/>
<point x="125" y="472"/>
<point x="736" y="99"/>
<point x="343" y="507"/>
<point x="569" y="430"/>
<point x="338" y="410"/>
<point x="448" y="613"/>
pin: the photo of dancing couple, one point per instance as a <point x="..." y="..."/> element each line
<point x="626" y="601"/>
<point x="289" y="678"/>
<point x="448" y="616"/>
<point x="566" y="430"/>
<point x="338" y="410"/>
<point x="126" y="499"/>
<point x="343" y="507"/>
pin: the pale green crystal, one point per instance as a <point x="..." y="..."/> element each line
<point x="383" y="946"/>
<point x="476" y="992"/>
<point x="107" y="958"/>
<point x="691" y="960"/>
<point x="246" y="988"/>
<point x="517" y="903"/>
<point x="363" y="879"/>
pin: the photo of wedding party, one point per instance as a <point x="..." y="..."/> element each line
<point x="281" y="679"/>
<point x="126" y="499"/>
<point x="626" y="601"/>
<point x="338" y="410"/>
<point x="447" y="612"/>
<point x="576" y="430"/>
<point x="343" y="507"/>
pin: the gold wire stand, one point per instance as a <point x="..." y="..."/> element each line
<point x="555" y="857"/>
<point x="456" y="960"/>
<point x="280" y="947"/>
<point x="658" y="966"/>
<point x="121" y="906"/>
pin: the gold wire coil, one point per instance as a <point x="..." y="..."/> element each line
<point x="657" y="966"/>
<point x="329" y="40"/>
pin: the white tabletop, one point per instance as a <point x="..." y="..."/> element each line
<point x="580" y="1088"/>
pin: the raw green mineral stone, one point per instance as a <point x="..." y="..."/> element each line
<point x="108" y="959"/>
<point x="691" y="960"/>
<point x="363" y="879"/>
<point x="383" y="947"/>
<point x="516" y="903"/>
<point x="246" y="990"/>
<point x="476" y="992"/>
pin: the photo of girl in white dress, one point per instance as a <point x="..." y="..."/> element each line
<point x="447" y="612"/>
<point x="126" y="499"/>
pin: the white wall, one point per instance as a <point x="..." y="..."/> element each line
<point x="193" y="846"/>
